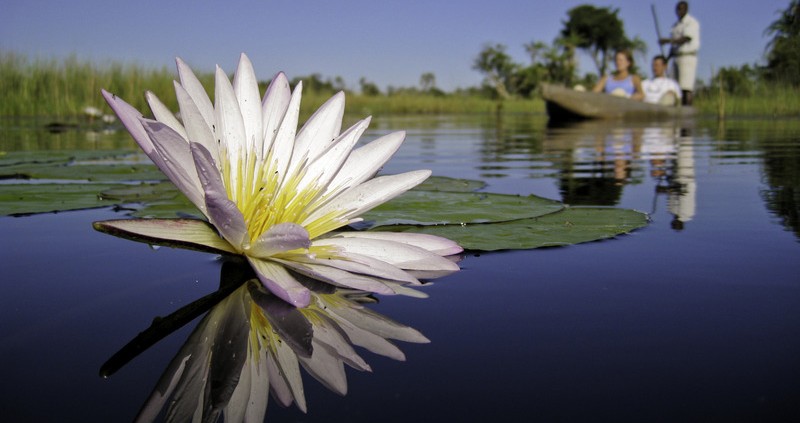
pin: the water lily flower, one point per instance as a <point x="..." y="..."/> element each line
<point x="280" y="197"/>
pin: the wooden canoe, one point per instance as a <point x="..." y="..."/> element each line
<point x="568" y="104"/>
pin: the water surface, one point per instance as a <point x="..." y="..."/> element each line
<point x="693" y="318"/>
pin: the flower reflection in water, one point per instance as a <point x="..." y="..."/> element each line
<point x="251" y="343"/>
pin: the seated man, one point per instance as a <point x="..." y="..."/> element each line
<point x="660" y="89"/>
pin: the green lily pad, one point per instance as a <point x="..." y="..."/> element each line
<point x="21" y="199"/>
<point x="441" y="208"/>
<point x="443" y="183"/>
<point x="79" y="165"/>
<point x="572" y="225"/>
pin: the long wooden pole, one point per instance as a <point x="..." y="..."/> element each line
<point x="658" y="30"/>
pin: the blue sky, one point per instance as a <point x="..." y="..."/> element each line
<point x="388" y="42"/>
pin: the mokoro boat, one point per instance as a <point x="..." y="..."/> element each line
<point x="567" y="104"/>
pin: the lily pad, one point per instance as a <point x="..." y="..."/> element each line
<point x="443" y="183"/>
<point x="21" y="199"/>
<point x="572" y="225"/>
<point x="440" y="208"/>
<point x="78" y="165"/>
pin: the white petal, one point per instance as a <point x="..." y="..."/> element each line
<point x="245" y="86"/>
<point x="376" y="191"/>
<point x="330" y="336"/>
<point x="152" y="407"/>
<point x="221" y="211"/>
<point x="163" y="114"/>
<point x="378" y="324"/>
<point x="230" y="127"/>
<point x="320" y="130"/>
<point x="371" y="342"/>
<point x="279" y="238"/>
<point x="365" y="161"/>
<point x="259" y="389"/>
<point x="278" y="281"/>
<point x="405" y="290"/>
<point x="282" y="147"/>
<point x="432" y="243"/>
<point x="237" y="404"/>
<point x="322" y="169"/>
<point x="285" y="360"/>
<point x="399" y="254"/>
<point x="176" y="160"/>
<point x="278" y="386"/>
<point x="188" y="232"/>
<point x="327" y="369"/>
<point x="273" y="109"/>
<point x="196" y="91"/>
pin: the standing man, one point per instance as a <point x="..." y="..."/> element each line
<point x="685" y="42"/>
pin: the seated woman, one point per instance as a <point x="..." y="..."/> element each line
<point x="622" y="83"/>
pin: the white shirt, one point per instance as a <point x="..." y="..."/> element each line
<point x="686" y="27"/>
<point x="655" y="88"/>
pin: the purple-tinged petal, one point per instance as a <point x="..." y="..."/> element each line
<point x="361" y="264"/>
<point x="175" y="160"/>
<point x="187" y="233"/>
<point x="197" y="129"/>
<point x="278" y="281"/>
<point x="221" y="211"/>
<point x="279" y="238"/>
<point x="196" y="91"/>
<point x="337" y="277"/>
<point x="131" y="120"/>
<point x="163" y="114"/>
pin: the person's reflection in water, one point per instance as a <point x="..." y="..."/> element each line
<point x="671" y="160"/>
<point x="682" y="197"/>
<point x="251" y="344"/>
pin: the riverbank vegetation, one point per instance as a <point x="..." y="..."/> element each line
<point x="64" y="89"/>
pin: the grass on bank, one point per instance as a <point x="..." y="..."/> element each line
<point x="765" y="101"/>
<point x="62" y="89"/>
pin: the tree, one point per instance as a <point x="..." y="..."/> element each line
<point x="368" y="88"/>
<point x="427" y="81"/>
<point x="783" y="57"/>
<point x="497" y="67"/>
<point x="599" y="32"/>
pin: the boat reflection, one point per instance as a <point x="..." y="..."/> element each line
<point x="598" y="159"/>
<point x="251" y="344"/>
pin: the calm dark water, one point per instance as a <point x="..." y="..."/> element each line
<point x="693" y="318"/>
